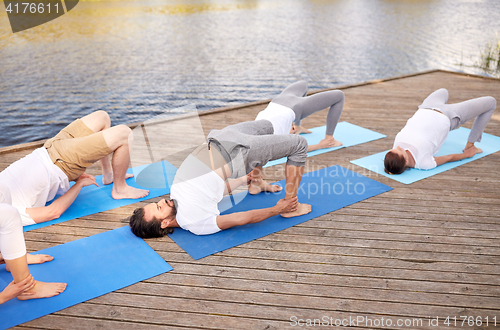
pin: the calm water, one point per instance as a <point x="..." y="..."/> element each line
<point x="137" y="59"/>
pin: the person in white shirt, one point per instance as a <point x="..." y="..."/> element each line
<point x="216" y="168"/>
<point x="40" y="176"/>
<point x="293" y="105"/>
<point x="13" y="254"/>
<point x="424" y="133"/>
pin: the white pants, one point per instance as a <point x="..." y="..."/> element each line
<point x="12" y="244"/>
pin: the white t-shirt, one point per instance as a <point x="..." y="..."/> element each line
<point x="197" y="190"/>
<point x="280" y="116"/>
<point x="423" y="135"/>
<point x="33" y="181"/>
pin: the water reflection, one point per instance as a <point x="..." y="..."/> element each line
<point x="137" y="59"/>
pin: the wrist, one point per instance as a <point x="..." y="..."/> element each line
<point x="275" y="210"/>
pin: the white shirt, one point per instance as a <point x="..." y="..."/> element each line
<point x="423" y="135"/>
<point x="33" y="181"/>
<point x="280" y="116"/>
<point x="197" y="190"/>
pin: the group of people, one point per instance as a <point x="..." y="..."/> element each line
<point x="231" y="157"/>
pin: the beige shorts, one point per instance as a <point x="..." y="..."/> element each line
<point x="75" y="148"/>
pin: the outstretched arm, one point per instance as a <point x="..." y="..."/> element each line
<point x="468" y="153"/>
<point x="253" y="216"/>
<point x="54" y="210"/>
<point x="235" y="183"/>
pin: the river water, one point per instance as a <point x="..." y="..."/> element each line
<point x="138" y="59"/>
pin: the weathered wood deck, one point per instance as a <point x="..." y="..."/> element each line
<point x="429" y="249"/>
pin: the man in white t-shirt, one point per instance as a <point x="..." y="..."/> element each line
<point x="217" y="167"/>
<point x="424" y="133"/>
<point x="40" y="176"/>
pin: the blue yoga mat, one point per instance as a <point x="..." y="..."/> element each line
<point x="327" y="190"/>
<point x="91" y="266"/>
<point x="347" y="133"/>
<point x="94" y="199"/>
<point x="454" y="144"/>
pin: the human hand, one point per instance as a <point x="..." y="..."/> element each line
<point x="86" y="180"/>
<point x="325" y="143"/>
<point x="17" y="289"/>
<point x="287" y="205"/>
<point x="471" y="151"/>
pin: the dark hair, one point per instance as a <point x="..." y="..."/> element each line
<point x="394" y="163"/>
<point x="147" y="229"/>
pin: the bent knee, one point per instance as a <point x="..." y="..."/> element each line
<point x="10" y="217"/>
<point x="124" y="131"/>
<point x="103" y="117"/>
<point x="340" y="94"/>
<point x="299" y="155"/>
<point x="492" y="101"/>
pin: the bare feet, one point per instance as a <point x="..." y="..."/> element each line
<point x="32" y="259"/>
<point x="329" y="142"/>
<point x="107" y="178"/>
<point x="301" y="210"/>
<point x="258" y="185"/>
<point x="299" y="129"/>
<point x="43" y="290"/>
<point x="128" y="192"/>
<point x="38" y="258"/>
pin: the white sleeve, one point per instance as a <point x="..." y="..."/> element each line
<point x="25" y="218"/>
<point x="428" y="162"/>
<point x="203" y="227"/>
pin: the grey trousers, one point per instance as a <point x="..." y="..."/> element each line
<point x="294" y="97"/>
<point x="481" y="108"/>
<point x="252" y="144"/>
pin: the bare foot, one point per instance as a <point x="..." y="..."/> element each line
<point x="108" y="177"/>
<point x="329" y="142"/>
<point x="38" y="258"/>
<point x="299" y="129"/>
<point x="258" y="185"/>
<point x="301" y="210"/>
<point x="471" y="151"/>
<point x="44" y="290"/>
<point x="128" y="192"/>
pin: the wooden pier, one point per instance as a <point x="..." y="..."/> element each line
<point x="425" y="250"/>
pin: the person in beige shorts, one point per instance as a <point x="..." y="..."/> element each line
<point x="45" y="173"/>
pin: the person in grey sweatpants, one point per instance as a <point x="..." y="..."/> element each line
<point x="424" y="133"/>
<point x="294" y="97"/>
<point x="225" y="162"/>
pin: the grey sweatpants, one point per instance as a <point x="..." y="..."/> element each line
<point x="294" y="97"/>
<point x="252" y="144"/>
<point x="481" y="108"/>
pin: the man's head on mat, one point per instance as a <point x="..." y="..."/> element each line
<point x="154" y="219"/>
<point x="395" y="161"/>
